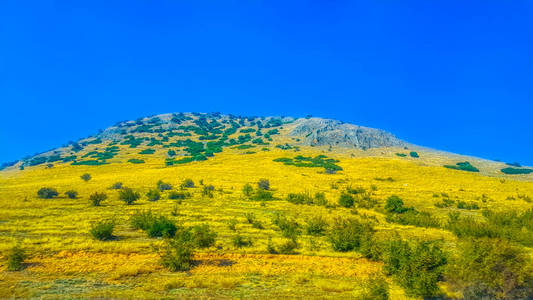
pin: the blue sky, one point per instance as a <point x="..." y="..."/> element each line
<point x="451" y="75"/>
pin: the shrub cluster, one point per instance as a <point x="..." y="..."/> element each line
<point x="47" y="193"/>
<point x="103" y="230"/>
<point x="97" y="198"/>
<point x="154" y="225"/>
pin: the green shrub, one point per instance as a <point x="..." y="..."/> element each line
<point x="247" y="190"/>
<point x="86" y="177"/>
<point x="71" y="194"/>
<point x="401" y="154"/>
<point x="116" y="186"/>
<point x="375" y="287"/>
<point x="203" y="236"/>
<point x="320" y="199"/>
<point x="414" y="154"/>
<point x="316" y="226"/>
<point x="47" y="193"/>
<point x="463" y="166"/>
<point x="97" y="198"/>
<point x="349" y="234"/>
<point x="263" y="184"/>
<point x="207" y="190"/>
<point x="239" y="241"/>
<point x="153" y="195"/>
<point x="147" y="151"/>
<point x="162" y="186"/>
<point x="515" y="171"/>
<point x="128" y="195"/>
<point x="288" y="247"/>
<point x="153" y="225"/>
<point x="417" y="267"/>
<point x="136" y="161"/>
<point x="174" y="195"/>
<point x="415" y="218"/>
<point x="188" y="183"/>
<point x="262" y="195"/>
<point x="103" y="230"/>
<point x="491" y="269"/>
<point x="395" y="205"/>
<point x="301" y="198"/>
<point x="177" y="255"/>
<point x="289" y="227"/>
<point x="15" y="259"/>
<point x="346" y="200"/>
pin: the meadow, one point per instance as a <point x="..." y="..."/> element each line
<point x="63" y="260"/>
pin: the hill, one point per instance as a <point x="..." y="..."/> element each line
<point x="272" y="207"/>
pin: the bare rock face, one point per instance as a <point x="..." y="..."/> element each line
<point x="319" y="132"/>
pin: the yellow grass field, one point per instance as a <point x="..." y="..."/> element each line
<point x="66" y="262"/>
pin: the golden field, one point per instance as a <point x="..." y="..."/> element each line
<point x="65" y="262"/>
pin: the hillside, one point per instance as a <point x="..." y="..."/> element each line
<point x="273" y="207"/>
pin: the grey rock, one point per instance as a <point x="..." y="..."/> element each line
<point x="320" y="132"/>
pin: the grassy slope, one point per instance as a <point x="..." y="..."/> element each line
<point x="66" y="260"/>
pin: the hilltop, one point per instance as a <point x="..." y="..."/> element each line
<point x="187" y="137"/>
<point x="214" y="206"/>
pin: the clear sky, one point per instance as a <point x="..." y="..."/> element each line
<point x="451" y="75"/>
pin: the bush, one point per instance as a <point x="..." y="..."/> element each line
<point x="288" y="247"/>
<point x="128" y="195"/>
<point x="71" y="194"/>
<point x="302" y="198"/>
<point x="417" y="267"/>
<point x="414" y="154"/>
<point x="203" y="236"/>
<point x="346" y="200"/>
<point x="208" y="191"/>
<point x="515" y="171"/>
<point x="415" y="218"/>
<point x="86" y="177"/>
<point x="153" y="195"/>
<point x="15" y="259"/>
<point x="177" y="195"/>
<point x="177" y="255"/>
<point x="350" y="234"/>
<point x="375" y="288"/>
<point x="103" y="230"/>
<point x="162" y="186"/>
<point x="136" y="161"/>
<point x="240" y="241"/>
<point x="263" y="184"/>
<point x="188" y="183"/>
<point x="289" y="227"/>
<point x="153" y="225"/>
<point x="491" y="269"/>
<point x="395" y="205"/>
<point x="463" y="166"/>
<point x="97" y="198"/>
<point x="316" y="226"/>
<point x="47" y="193"/>
<point x="247" y="190"/>
<point x="116" y="186"/>
<point x="263" y="195"/>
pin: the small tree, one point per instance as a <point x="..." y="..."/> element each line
<point x="395" y="205"/>
<point x="15" y="259"/>
<point x="239" y="241"/>
<point x="47" y="193"/>
<point x="247" y="190"/>
<point x="208" y="190"/>
<point x="177" y="255"/>
<point x="116" y="186"/>
<point x="86" y="177"/>
<point x="71" y="194"/>
<point x="128" y="195"/>
<point x="97" y="198"/>
<point x="346" y="200"/>
<point x="162" y="186"/>
<point x="153" y="195"/>
<point x="263" y="184"/>
<point x="103" y="230"/>
<point x="187" y="183"/>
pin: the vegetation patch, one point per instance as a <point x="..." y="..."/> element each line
<point x="320" y="161"/>
<point x="136" y="161"/>
<point x="463" y="166"/>
<point x="515" y="171"/>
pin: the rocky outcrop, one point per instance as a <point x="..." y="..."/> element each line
<point x="319" y="132"/>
